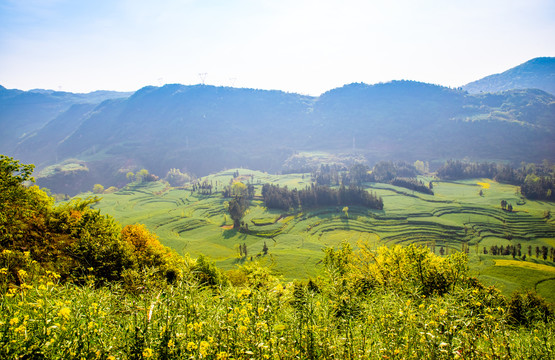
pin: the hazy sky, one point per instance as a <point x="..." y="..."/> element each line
<point x="299" y="46"/>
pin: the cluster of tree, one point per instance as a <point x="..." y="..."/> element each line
<point x="538" y="187"/>
<point x="176" y="178"/>
<point x="141" y="176"/>
<point x="413" y="184"/>
<point x="239" y="189"/>
<point x="236" y="208"/>
<point x="536" y="181"/>
<point x="456" y="169"/>
<point x="329" y="175"/>
<point x="243" y="250"/>
<point x="99" y="189"/>
<point x="506" y="206"/>
<point x="282" y="198"/>
<point x="71" y="239"/>
<point x="385" y="171"/>
<point x="358" y="173"/>
<point x="204" y="188"/>
<point x="516" y="251"/>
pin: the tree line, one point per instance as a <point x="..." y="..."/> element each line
<point x="277" y="197"/>
<point x="516" y="251"/>
<point x="413" y="184"/>
<point x="536" y="181"/>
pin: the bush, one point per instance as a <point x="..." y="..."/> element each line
<point x="527" y="308"/>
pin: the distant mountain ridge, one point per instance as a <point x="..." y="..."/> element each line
<point x="203" y="129"/>
<point x="24" y="112"/>
<point x="538" y="73"/>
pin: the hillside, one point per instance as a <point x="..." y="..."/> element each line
<point x="22" y="113"/>
<point x="538" y="73"/>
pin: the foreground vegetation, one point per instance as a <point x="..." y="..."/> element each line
<point x="394" y="303"/>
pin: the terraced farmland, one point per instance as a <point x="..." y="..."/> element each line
<point x="456" y="214"/>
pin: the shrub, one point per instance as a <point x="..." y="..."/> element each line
<point x="527" y="308"/>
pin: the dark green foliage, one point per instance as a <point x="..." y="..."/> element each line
<point x="386" y="171"/>
<point x="527" y="308"/>
<point x="456" y="170"/>
<point x="207" y="274"/>
<point x="412" y="184"/>
<point x="236" y="208"/>
<point x="539" y="187"/>
<point x="282" y="198"/>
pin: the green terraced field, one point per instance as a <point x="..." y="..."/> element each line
<point x="198" y="224"/>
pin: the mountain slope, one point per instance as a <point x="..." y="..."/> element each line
<point x="203" y="129"/>
<point x="24" y="112"/>
<point x="538" y="73"/>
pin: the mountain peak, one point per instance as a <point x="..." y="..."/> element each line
<point x="537" y="73"/>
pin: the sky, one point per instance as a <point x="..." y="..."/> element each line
<point x="301" y="46"/>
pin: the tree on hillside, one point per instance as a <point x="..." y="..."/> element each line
<point x="236" y="208"/>
<point x="238" y="189"/>
<point x="346" y="211"/>
<point x="176" y="178"/>
<point x="98" y="189"/>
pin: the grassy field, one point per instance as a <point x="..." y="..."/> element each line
<point x="198" y="224"/>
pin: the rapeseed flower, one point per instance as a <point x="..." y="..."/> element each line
<point x="147" y="352"/>
<point x="64" y="312"/>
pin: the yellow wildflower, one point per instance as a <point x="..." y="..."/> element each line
<point x="14" y="321"/>
<point x="222" y="355"/>
<point x="204" y="345"/>
<point x="64" y="312"/>
<point x="191" y="346"/>
<point x="147" y="352"/>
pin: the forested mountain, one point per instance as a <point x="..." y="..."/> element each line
<point x="202" y="129"/>
<point x="24" y="112"/>
<point x="538" y="73"/>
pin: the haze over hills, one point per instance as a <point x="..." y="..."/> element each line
<point x="538" y="73"/>
<point x="203" y="129"/>
<point x="24" y="112"/>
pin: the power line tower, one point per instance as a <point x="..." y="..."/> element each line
<point x="202" y="77"/>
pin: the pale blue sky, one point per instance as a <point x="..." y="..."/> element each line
<point x="302" y="46"/>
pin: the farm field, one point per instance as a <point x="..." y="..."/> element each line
<point x="193" y="223"/>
